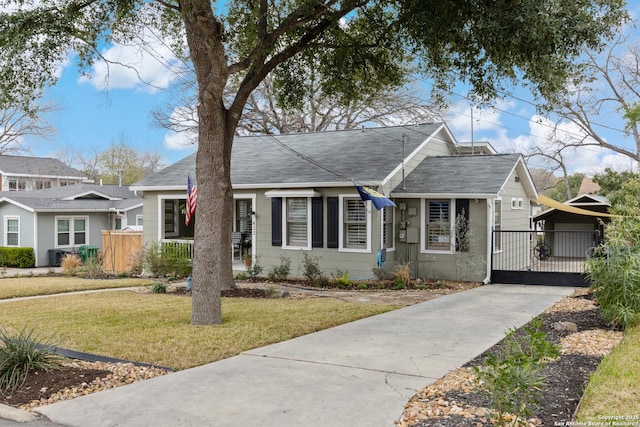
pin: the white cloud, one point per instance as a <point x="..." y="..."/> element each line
<point x="459" y="119"/>
<point x="500" y="130"/>
<point x="148" y="65"/>
<point x="178" y="141"/>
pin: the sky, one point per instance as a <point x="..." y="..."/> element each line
<point x="115" y="104"/>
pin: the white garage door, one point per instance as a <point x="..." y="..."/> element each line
<point x="574" y="243"/>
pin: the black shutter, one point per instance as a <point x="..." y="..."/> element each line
<point x="276" y="221"/>
<point x="316" y="222"/>
<point x="333" y="206"/>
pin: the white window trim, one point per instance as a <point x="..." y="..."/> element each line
<point x="176" y="216"/>
<point x="123" y="222"/>
<point x="341" y="247"/>
<point x="6" y="230"/>
<point x="514" y="203"/>
<point x="393" y="230"/>
<point x="285" y="225"/>
<point x="423" y="227"/>
<point x="138" y="218"/>
<point x="254" y="239"/>
<point x="493" y="224"/>
<point x="72" y="242"/>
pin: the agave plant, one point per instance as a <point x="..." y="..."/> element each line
<point x="22" y="354"/>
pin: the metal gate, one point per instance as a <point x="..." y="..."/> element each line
<point x="542" y="257"/>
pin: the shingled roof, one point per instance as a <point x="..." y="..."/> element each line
<point x="78" y="197"/>
<point x="473" y="175"/>
<point x="363" y="155"/>
<point x="37" y="166"/>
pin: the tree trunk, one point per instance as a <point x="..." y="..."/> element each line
<point x="212" y="270"/>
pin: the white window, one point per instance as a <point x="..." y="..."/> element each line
<point x="297" y="222"/>
<point x="170" y="217"/>
<point x="520" y="203"/>
<point x="388" y="237"/>
<point x="41" y="185"/>
<point x="497" y="225"/>
<point x="437" y="225"/>
<point x="71" y="231"/>
<point x="139" y="219"/>
<point x="17" y="185"/>
<point x="514" y="203"/>
<point x="12" y="231"/>
<point x="355" y="224"/>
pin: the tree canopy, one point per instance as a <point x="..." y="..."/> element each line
<point x="120" y="164"/>
<point x="360" y="46"/>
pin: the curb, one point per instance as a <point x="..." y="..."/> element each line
<point x="17" y="415"/>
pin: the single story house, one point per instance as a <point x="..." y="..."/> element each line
<point x="21" y="173"/>
<point x="64" y="218"/>
<point x="296" y="195"/>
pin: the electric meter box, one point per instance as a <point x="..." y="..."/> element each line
<point x="412" y="235"/>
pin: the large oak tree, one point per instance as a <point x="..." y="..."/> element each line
<point x="361" y="46"/>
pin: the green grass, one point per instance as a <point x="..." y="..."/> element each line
<point x="614" y="388"/>
<point x="156" y="328"/>
<point x="14" y="287"/>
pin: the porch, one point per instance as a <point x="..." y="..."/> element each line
<point x="184" y="247"/>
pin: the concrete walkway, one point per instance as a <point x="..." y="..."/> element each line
<point x="358" y="374"/>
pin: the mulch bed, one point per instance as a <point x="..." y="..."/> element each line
<point x="454" y="400"/>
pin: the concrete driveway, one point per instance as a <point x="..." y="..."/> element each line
<point x="358" y="374"/>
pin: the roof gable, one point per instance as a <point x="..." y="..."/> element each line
<point x="462" y="175"/>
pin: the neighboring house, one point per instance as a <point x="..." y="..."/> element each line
<point x="20" y="173"/>
<point x="295" y="196"/>
<point x="586" y="222"/>
<point x="65" y="218"/>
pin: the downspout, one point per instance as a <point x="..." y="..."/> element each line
<point x="487" y="278"/>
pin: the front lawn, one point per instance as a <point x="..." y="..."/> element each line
<point x="155" y="328"/>
<point x="613" y="394"/>
<point x="14" y="287"/>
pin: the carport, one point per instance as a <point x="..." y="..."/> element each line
<point x="555" y="250"/>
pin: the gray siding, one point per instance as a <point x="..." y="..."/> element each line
<point x="26" y="224"/>
<point x="47" y="232"/>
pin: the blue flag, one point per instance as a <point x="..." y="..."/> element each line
<point x="379" y="200"/>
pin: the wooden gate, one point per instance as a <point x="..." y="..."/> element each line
<point x="542" y="257"/>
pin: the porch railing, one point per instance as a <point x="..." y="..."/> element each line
<point x="181" y="248"/>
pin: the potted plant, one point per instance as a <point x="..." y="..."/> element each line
<point x="248" y="259"/>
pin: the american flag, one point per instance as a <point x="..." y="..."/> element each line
<point x="192" y="197"/>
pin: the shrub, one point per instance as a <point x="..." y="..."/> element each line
<point x="614" y="272"/>
<point x="254" y="270"/>
<point x="341" y="279"/>
<point x="311" y="267"/>
<point x="93" y="267"/>
<point x="159" y="288"/>
<point x="399" y="284"/>
<point x="17" y="257"/>
<point x="22" y="354"/>
<point x="402" y="274"/>
<point x="70" y="264"/>
<point x="322" y="281"/>
<point x="280" y="272"/>
<point x="168" y="260"/>
<point x="513" y="381"/>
